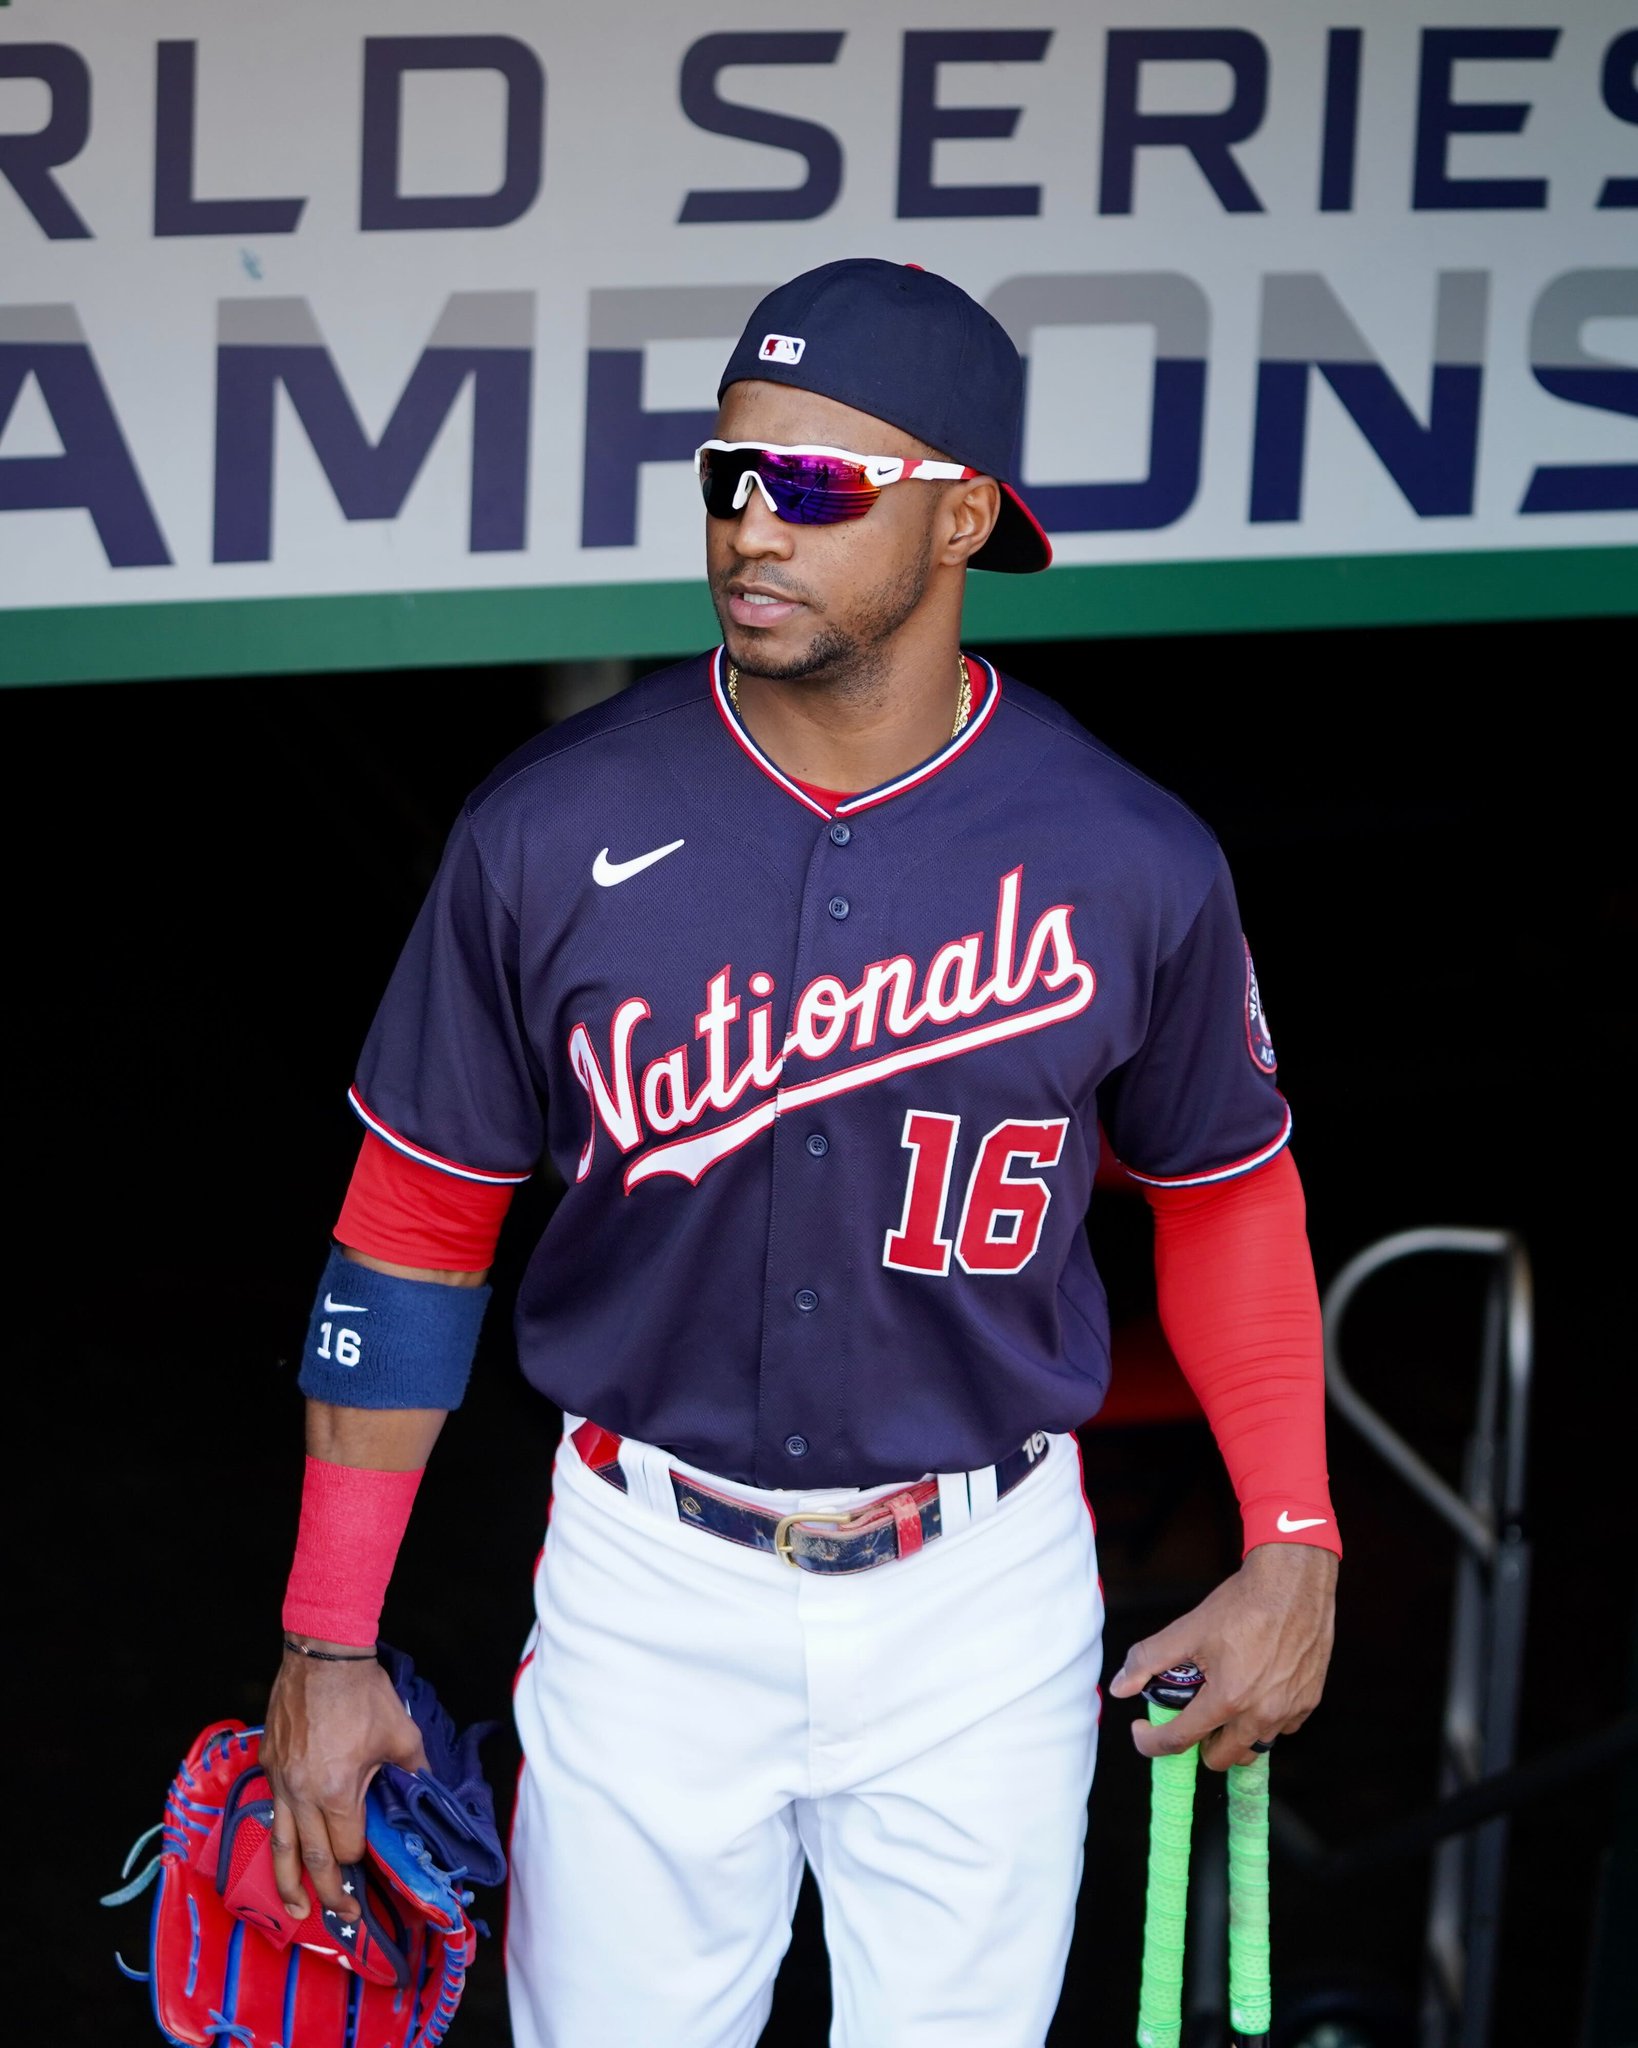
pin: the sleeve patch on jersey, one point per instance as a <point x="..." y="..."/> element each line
<point x="1258" y="1042"/>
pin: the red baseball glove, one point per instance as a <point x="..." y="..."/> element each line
<point x="227" y="1962"/>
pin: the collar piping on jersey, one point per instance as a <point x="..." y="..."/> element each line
<point x="980" y="717"/>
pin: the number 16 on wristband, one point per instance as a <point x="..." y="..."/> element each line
<point x="347" y="1348"/>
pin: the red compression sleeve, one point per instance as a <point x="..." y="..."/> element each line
<point x="408" y="1214"/>
<point x="352" y="1521"/>
<point x="1241" y="1311"/>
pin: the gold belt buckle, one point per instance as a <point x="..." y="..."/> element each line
<point x="782" y="1531"/>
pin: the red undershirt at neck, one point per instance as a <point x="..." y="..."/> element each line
<point x="830" y="798"/>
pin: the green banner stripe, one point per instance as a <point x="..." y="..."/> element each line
<point x="427" y="629"/>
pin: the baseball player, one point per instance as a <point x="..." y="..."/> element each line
<point x="816" y="963"/>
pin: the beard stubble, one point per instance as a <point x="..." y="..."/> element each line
<point x="850" y="659"/>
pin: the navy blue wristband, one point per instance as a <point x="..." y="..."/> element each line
<point x="376" y="1341"/>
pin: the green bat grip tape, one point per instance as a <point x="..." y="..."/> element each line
<point x="1251" y="2002"/>
<point x="1171" y="1819"/>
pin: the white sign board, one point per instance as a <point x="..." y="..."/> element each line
<point x="350" y="302"/>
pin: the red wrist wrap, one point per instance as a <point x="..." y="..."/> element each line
<point x="1239" y="1306"/>
<point x="352" y="1522"/>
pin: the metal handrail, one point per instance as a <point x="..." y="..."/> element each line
<point x="1480" y="1716"/>
<point x="1476" y="1530"/>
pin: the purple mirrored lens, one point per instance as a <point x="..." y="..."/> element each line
<point x="807" y="490"/>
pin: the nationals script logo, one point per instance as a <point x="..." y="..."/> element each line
<point x="891" y="996"/>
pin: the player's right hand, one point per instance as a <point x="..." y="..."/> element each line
<point x="330" y="1727"/>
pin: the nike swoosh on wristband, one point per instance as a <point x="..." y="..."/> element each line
<point x="344" y="1308"/>
<point x="607" y="874"/>
<point x="1287" y="1527"/>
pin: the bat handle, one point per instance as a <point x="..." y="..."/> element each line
<point x="1251" y="2004"/>
<point x="1171" y="1821"/>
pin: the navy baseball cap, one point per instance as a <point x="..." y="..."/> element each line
<point x="912" y="348"/>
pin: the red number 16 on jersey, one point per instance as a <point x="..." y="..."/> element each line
<point x="1001" y="1216"/>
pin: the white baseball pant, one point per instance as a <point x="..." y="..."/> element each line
<point x="697" y="1718"/>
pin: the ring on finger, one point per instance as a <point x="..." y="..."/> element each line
<point x="1262" y="1748"/>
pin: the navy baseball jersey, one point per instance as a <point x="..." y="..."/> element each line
<point x="824" y="1084"/>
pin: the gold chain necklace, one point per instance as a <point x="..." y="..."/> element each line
<point x="964" y="698"/>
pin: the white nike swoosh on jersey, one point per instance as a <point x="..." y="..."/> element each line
<point x="344" y="1308"/>
<point x="1287" y="1527"/>
<point x="609" y="873"/>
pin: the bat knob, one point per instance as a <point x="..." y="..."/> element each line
<point x="1176" y="1687"/>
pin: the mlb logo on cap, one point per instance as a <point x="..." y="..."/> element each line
<point x="783" y="348"/>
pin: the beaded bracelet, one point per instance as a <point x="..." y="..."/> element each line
<point x="331" y="1656"/>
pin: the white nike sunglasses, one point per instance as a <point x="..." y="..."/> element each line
<point x="806" y="485"/>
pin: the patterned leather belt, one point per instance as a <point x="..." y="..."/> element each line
<point x="891" y="1526"/>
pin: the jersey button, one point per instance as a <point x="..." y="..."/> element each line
<point x="796" y="1446"/>
<point x="838" y="906"/>
<point x="840" y="834"/>
<point x="806" y="1300"/>
<point x="818" y="1144"/>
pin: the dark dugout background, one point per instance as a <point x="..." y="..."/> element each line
<point x="208" y="884"/>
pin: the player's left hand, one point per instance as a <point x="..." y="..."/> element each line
<point x="1263" y="1639"/>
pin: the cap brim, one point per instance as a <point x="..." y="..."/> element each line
<point x="1018" y="545"/>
